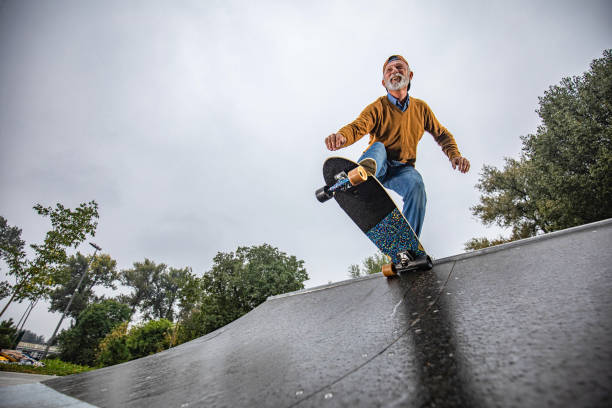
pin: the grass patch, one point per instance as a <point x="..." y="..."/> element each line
<point x="52" y="367"/>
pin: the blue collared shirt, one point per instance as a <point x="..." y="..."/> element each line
<point x="394" y="101"/>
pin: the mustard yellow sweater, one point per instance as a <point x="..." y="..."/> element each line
<point x="399" y="131"/>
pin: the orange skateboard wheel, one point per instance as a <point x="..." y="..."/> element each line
<point x="388" y="270"/>
<point x="357" y="176"/>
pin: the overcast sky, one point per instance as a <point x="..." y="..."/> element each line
<point x="198" y="126"/>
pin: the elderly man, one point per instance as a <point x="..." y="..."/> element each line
<point x="396" y="123"/>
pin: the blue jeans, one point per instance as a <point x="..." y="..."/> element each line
<point x="402" y="178"/>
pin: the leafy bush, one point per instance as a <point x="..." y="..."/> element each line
<point x="52" y="367"/>
<point x="113" y="349"/>
<point x="149" y="338"/>
<point x="79" y="344"/>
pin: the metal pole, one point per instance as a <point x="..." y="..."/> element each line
<point x="24" y="318"/>
<point x="50" y="342"/>
<point x="23" y="315"/>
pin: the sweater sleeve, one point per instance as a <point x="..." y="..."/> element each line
<point x="441" y="135"/>
<point x="361" y="126"/>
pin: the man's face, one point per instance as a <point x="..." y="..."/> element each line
<point x="396" y="75"/>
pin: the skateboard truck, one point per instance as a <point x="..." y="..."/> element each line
<point x="407" y="262"/>
<point x="344" y="182"/>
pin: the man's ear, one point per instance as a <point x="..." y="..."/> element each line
<point x="383" y="83"/>
<point x="410" y="76"/>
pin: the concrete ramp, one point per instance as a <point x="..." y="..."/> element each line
<point x="524" y="324"/>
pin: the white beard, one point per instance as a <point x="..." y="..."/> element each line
<point x="403" y="83"/>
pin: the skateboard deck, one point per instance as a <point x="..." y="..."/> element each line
<point x="369" y="205"/>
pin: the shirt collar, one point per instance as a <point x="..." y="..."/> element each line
<point x="395" y="102"/>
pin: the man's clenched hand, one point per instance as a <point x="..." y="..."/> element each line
<point x="461" y="163"/>
<point x="335" y="141"/>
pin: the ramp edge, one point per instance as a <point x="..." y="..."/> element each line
<point x="525" y="241"/>
<point x="460" y="257"/>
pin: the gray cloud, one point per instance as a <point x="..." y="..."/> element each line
<point x="199" y="126"/>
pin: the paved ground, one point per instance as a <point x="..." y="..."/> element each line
<point x="8" y="378"/>
<point x="526" y="324"/>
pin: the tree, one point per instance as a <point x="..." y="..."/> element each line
<point x="102" y="272"/>
<point x="140" y="278"/>
<point x="35" y="277"/>
<point x="150" y="338"/>
<point x="79" y="344"/>
<point x="238" y="282"/>
<point x="166" y="293"/>
<point x="31" y="337"/>
<point x="8" y="331"/>
<point x="563" y="177"/>
<point x="483" y="242"/>
<point x="189" y="295"/>
<point x="371" y="264"/>
<point x="11" y="252"/>
<point x="143" y="340"/>
<point x="157" y="289"/>
<point x="113" y="349"/>
<point x="354" y="271"/>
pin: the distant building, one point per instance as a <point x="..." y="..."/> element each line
<point x="37" y="350"/>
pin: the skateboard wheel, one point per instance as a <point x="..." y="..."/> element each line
<point x="357" y="176"/>
<point x="323" y="195"/>
<point x="429" y="263"/>
<point x="388" y="270"/>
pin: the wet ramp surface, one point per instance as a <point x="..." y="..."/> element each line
<point x="527" y="324"/>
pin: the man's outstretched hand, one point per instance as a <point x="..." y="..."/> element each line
<point x="461" y="163"/>
<point x="335" y="141"/>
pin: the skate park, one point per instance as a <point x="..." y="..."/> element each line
<point x="527" y="323"/>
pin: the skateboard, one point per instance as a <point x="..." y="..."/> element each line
<point x="368" y="204"/>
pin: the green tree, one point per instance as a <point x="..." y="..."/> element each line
<point x="166" y="293"/>
<point x="157" y="289"/>
<point x="354" y="271"/>
<point x="102" y="272"/>
<point x="371" y="264"/>
<point x="35" y="277"/>
<point x="141" y="278"/>
<point x="238" y="282"/>
<point x="11" y="252"/>
<point x="8" y="330"/>
<point x="150" y="338"/>
<point x="79" y="344"/>
<point x="189" y="296"/>
<point x="113" y="349"/>
<point x="140" y="341"/>
<point x="483" y="242"/>
<point x="31" y="337"/>
<point x="563" y="177"/>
